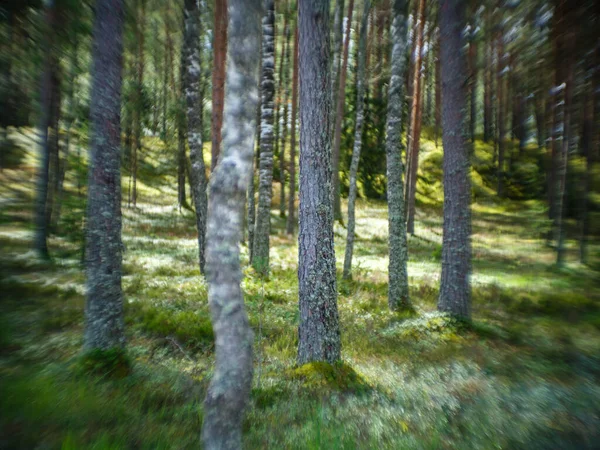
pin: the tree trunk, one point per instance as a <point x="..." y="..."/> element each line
<point x="191" y="86"/>
<point x="318" y="331"/>
<point x="438" y="91"/>
<point x="455" y="288"/>
<point x="586" y="152"/>
<point x="283" y="131"/>
<point x="500" y="82"/>
<point x="104" y="327"/>
<point x="41" y="219"/>
<point x="218" y="77"/>
<point x="291" y="218"/>
<point x="229" y="389"/>
<point x="487" y="96"/>
<point x="251" y="189"/>
<point x="137" y="134"/>
<point x="414" y="133"/>
<point x="339" y="115"/>
<point x="398" y="249"/>
<point x="472" y="82"/>
<point x="338" y="32"/>
<point x="260" y="258"/>
<point x="358" y="130"/>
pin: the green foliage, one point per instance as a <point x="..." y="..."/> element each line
<point x="112" y="362"/>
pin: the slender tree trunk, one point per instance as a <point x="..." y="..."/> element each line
<point x="586" y="151"/>
<point x="398" y="249"/>
<point x="283" y="131"/>
<point x="318" y="331"/>
<point x="53" y="145"/>
<point x="104" y="327"/>
<point x="229" y="389"/>
<point x="438" y="91"/>
<point x="291" y="220"/>
<point x="41" y="220"/>
<point x="414" y="132"/>
<point x="473" y="82"/>
<point x="339" y="114"/>
<point x="218" y="77"/>
<point x="338" y="32"/>
<point x="251" y="189"/>
<point x="455" y="288"/>
<point x="500" y="82"/>
<point x="358" y="130"/>
<point x="192" y="72"/>
<point x="487" y="70"/>
<point x="137" y="146"/>
<point x="260" y="258"/>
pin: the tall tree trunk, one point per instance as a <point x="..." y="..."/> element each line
<point x="53" y="145"/>
<point x="488" y="73"/>
<point x="191" y="86"/>
<point x="438" y="91"/>
<point x="358" y="131"/>
<point x="137" y="134"/>
<point x="586" y="152"/>
<point x="229" y="389"/>
<point x="104" y="327"/>
<point x="291" y="218"/>
<point x="455" y="288"/>
<point x="500" y="83"/>
<point x="319" y="330"/>
<point x="41" y="219"/>
<point x="339" y="115"/>
<point x="218" y="77"/>
<point x="398" y="249"/>
<point x="415" y="119"/>
<point x="472" y="82"/>
<point x="284" y="128"/>
<point x="260" y="258"/>
<point x="251" y="188"/>
<point x="338" y="32"/>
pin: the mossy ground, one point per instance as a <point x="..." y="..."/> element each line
<point x="524" y="374"/>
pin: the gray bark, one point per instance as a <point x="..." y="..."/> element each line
<point x="104" y="301"/>
<point x="260" y="255"/>
<point x="291" y="219"/>
<point x="192" y="89"/>
<point x="229" y="389"/>
<point x="455" y="289"/>
<point x="318" y="332"/>
<point x="360" y="118"/>
<point x="284" y="125"/>
<point x="338" y="32"/>
<point x="398" y="276"/>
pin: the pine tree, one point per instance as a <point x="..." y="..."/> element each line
<point x="318" y="332"/>
<point x="455" y="288"/>
<point x="104" y="299"/>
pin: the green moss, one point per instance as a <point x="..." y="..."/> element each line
<point x="337" y="377"/>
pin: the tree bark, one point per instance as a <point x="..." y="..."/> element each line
<point x="284" y="125"/>
<point x="358" y="130"/>
<point x="318" y="331"/>
<point x="455" y="288"/>
<point x="218" y="77"/>
<point x="260" y="258"/>
<point x="137" y="134"/>
<point x="191" y="86"/>
<point x="229" y="389"/>
<point x="415" y="118"/>
<point x="291" y="218"/>
<point x="41" y="218"/>
<point x="500" y="82"/>
<point x="487" y="96"/>
<point x="104" y="327"/>
<point x="339" y="114"/>
<point x="338" y="32"/>
<point x="398" y="297"/>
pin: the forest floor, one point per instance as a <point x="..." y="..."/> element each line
<point x="524" y="374"/>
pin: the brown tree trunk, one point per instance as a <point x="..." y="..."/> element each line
<point x="218" y="77"/>
<point x="414" y="135"/>
<point x="337" y="136"/>
<point x="500" y="83"/>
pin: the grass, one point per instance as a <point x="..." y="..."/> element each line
<point x="523" y="374"/>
